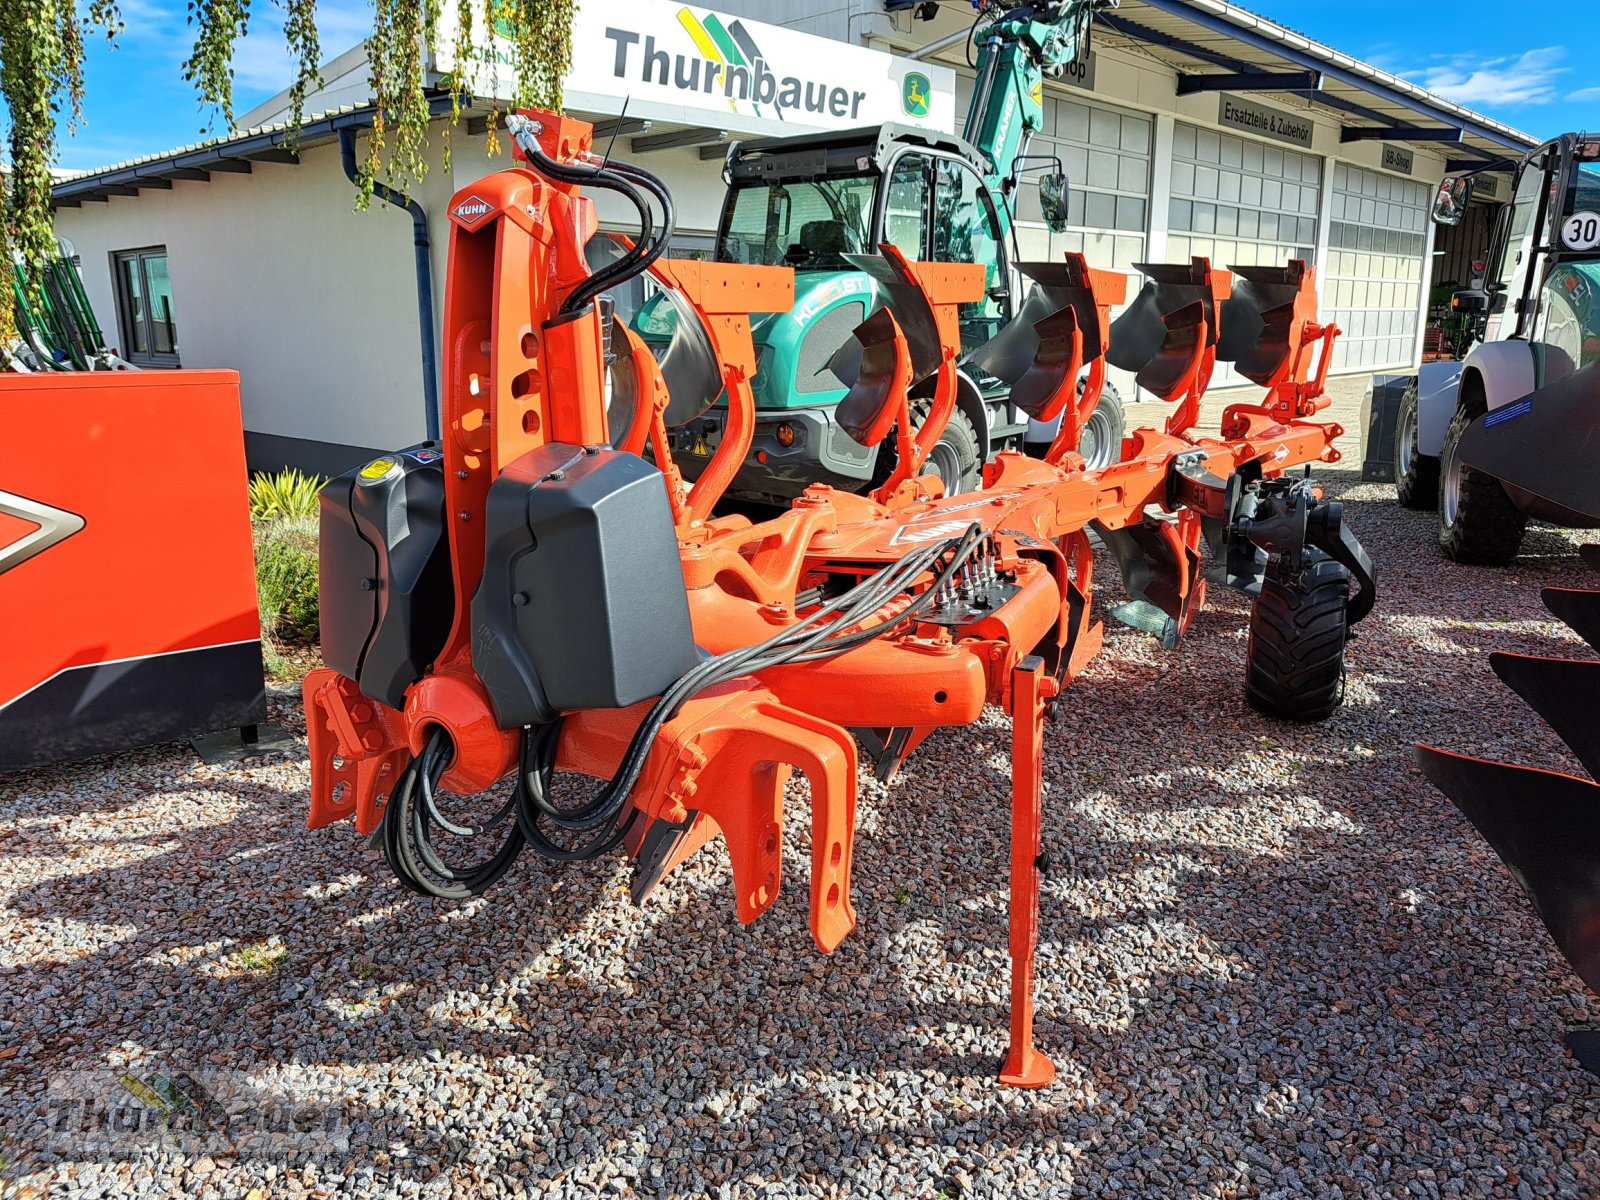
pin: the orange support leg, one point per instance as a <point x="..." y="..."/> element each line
<point x="1030" y="688"/>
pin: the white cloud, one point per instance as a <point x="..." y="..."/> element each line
<point x="261" y="60"/>
<point x="1585" y="94"/>
<point x="1529" y="78"/>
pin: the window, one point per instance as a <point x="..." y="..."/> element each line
<point x="805" y="224"/>
<point x="144" y="306"/>
<point x="905" y="217"/>
<point x="965" y="230"/>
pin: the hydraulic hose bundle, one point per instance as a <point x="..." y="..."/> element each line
<point x="413" y="816"/>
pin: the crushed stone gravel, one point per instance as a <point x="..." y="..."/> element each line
<point x="1273" y="962"/>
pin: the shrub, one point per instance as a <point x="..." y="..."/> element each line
<point x="289" y="493"/>
<point x="286" y="580"/>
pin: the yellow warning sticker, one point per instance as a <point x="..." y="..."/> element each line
<point x="378" y="468"/>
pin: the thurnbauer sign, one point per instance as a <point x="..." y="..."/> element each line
<point x="695" y="66"/>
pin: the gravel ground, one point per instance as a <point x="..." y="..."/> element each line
<point x="1273" y="962"/>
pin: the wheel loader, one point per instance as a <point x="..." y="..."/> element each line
<point x="1540" y="309"/>
<point x="809" y="202"/>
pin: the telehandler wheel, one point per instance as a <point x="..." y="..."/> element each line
<point x="954" y="457"/>
<point x="1478" y="523"/>
<point x="1416" y="475"/>
<point x="1294" y="664"/>
<point x="1100" y="443"/>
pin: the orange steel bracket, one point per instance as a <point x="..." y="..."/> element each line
<point x="724" y="759"/>
<point x="1187" y="416"/>
<point x="1031" y="688"/>
<point x="357" y="748"/>
<point x="1108" y="288"/>
<point x="724" y="295"/>
<point x="946" y="287"/>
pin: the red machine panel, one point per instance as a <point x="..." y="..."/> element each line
<point x="127" y="577"/>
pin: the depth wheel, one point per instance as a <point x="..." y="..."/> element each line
<point x="1294" y="664"/>
<point x="1416" y="475"/>
<point x="1478" y="523"/>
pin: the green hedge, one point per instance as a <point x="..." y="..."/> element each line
<point x="286" y="580"/>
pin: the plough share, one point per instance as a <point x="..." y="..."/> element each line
<point x="534" y="595"/>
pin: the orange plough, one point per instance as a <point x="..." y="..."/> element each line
<point x="533" y="595"/>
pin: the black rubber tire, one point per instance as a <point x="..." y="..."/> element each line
<point x="1101" y="440"/>
<point x="956" y="451"/>
<point x="1416" y="475"/>
<point x="1481" y="526"/>
<point x="1294" y="663"/>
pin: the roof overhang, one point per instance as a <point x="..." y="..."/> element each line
<point x="1212" y="45"/>
<point x="234" y="155"/>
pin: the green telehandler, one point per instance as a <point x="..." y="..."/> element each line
<point x="811" y="201"/>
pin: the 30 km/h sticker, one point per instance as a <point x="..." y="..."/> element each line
<point x="1581" y="231"/>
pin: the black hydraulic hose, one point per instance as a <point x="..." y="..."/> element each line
<point x="807" y="641"/>
<point x="616" y="177"/>
<point x="422" y="247"/>
<point x="408" y="838"/>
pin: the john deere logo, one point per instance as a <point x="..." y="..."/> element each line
<point x="916" y="94"/>
<point x="471" y="210"/>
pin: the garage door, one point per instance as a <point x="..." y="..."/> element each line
<point x="1239" y="202"/>
<point x="1377" y="243"/>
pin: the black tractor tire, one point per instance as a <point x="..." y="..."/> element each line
<point x="1294" y="663"/>
<point x="954" y="457"/>
<point x="1416" y="475"/>
<point x="1478" y="523"/>
<point x="1100" y="443"/>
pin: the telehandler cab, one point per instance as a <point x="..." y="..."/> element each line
<point x="1541" y="314"/>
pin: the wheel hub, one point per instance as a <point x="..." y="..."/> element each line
<point x="1450" y="489"/>
<point x="1408" y="430"/>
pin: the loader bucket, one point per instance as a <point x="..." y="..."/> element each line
<point x="868" y="411"/>
<point x="1057" y="285"/>
<point x="1258" y="320"/>
<point x="1543" y="448"/>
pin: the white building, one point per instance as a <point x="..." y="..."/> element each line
<point x="1194" y="128"/>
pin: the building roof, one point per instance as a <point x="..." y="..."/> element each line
<point x="1211" y="43"/>
<point x="274" y="143"/>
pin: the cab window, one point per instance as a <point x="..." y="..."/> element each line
<point x="905" y="215"/>
<point x="965" y="229"/>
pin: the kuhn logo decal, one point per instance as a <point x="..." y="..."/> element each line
<point x="55" y="525"/>
<point x="472" y="210"/>
<point x="934" y="532"/>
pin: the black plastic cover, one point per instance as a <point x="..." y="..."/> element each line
<point x="582" y="602"/>
<point x="386" y="600"/>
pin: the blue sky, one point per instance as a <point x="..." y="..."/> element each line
<point x="1528" y="71"/>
